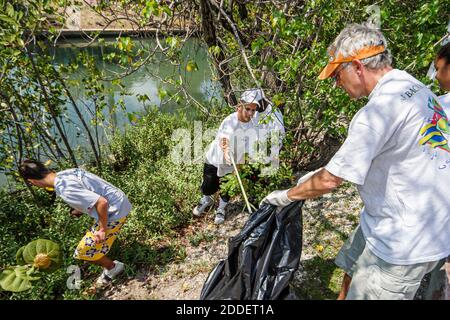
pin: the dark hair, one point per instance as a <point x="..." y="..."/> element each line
<point x="262" y="105"/>
<point x="31" y="169"/>
<point x="444" y="53"/>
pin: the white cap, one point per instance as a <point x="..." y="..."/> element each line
<point x="252" y="96"/>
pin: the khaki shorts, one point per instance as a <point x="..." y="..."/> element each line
<point x="374" y="278"/>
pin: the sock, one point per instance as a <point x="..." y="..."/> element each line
<point x="206" y="198"/>
<point x="222" y="203"/>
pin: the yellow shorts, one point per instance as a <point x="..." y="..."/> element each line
<point x="88" y="250"/>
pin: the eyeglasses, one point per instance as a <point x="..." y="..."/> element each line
<point x="341" y="67"/>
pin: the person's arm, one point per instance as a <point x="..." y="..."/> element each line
<point x="224" y="145"/>
<point x="320" y="183"/>
<point x="102" y="210"/>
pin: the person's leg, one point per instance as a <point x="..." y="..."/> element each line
<point x="210" y="185"/>
<point x="223" y="201"/>
<point x="211" y="182"/>
<point x="224" y="197"/>
<point x="347" y="257"/>
<point x="344" y="287"/>
<point x="95" y="253"/>
<point x="376" y="279"/>
<point x="105" y="262"/>
<point x="435" y="288"/>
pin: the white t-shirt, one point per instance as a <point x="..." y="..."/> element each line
<point x="242" y="136"/>
<point x="397" y="153"/>
<point x="81" y="190"/>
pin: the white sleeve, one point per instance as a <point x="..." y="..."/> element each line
<point x="226" y="129"/>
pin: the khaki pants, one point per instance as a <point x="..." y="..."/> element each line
<point x="374" y="278"/>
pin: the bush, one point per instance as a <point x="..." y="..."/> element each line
<point x="22" y="220"/>
<point x="257" y="185"/>
<point x="162" y="194"/>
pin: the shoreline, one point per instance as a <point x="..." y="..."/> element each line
<point x="80" y="33"/>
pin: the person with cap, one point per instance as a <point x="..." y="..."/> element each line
<point x="235" y="137"/>
<point x="269" y="119"/>
<point x="270" y="130"/>
<point x="397" y="157"/>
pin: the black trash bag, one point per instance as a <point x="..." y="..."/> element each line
<point x="262" y="258"/>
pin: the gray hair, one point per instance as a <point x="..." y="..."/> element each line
<point x="357" y="36"/>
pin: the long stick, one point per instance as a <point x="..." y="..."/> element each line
<point x="240" y="182"/>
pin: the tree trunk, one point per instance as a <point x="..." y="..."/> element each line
<point x="209" y="35"/>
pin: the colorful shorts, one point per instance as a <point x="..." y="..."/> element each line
<point x="88" y="250"/>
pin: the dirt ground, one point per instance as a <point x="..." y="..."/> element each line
<point x="326" y="223"/>
<point x="184" y="281"/>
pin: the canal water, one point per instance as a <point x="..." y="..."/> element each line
<point x="148" y="80"/>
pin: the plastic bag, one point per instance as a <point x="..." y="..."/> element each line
<point x="262" y="258"/>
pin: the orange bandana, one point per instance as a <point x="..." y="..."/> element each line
<point x="360" y="54"/>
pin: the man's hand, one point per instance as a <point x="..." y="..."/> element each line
<point x="227" y="157"/>
<point x="224" y="146"/>
<point x="102" y="210"/>
<point x="277" y="198"/>
<point x="99" y="236"/>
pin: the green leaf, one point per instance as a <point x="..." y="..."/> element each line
<point x="214" y="50"/>
<point x="166" y="9"/>
<point x="191" y="66"/>
<point x="132" y="117"/>
<point x="162" y="93"/>
<point x="10" y="10"/>
<point x="143" y="97"/>
<point x="8" y="19"/>
<point x="15" y="279"/>
<point x="19" y="256"/>
<point x="172" y="41"/>
<point x="43" y="254"/>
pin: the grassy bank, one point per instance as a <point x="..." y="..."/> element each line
<point x="163" y="194"/>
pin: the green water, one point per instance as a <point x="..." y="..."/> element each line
<point x="146" y="80"/>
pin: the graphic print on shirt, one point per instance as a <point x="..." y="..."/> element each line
<point x="434" y="133"/>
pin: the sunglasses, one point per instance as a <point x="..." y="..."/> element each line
<point x="341" y="67"/>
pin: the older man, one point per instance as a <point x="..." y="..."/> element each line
<point x="399" y="158"/>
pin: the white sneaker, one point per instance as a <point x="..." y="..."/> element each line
<point x="220" y="216"/>
<point x="102" y="280"/>
<point x="205" y="203"/>
<point x="108" y="275"/>
<point x="118" y="269"/>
